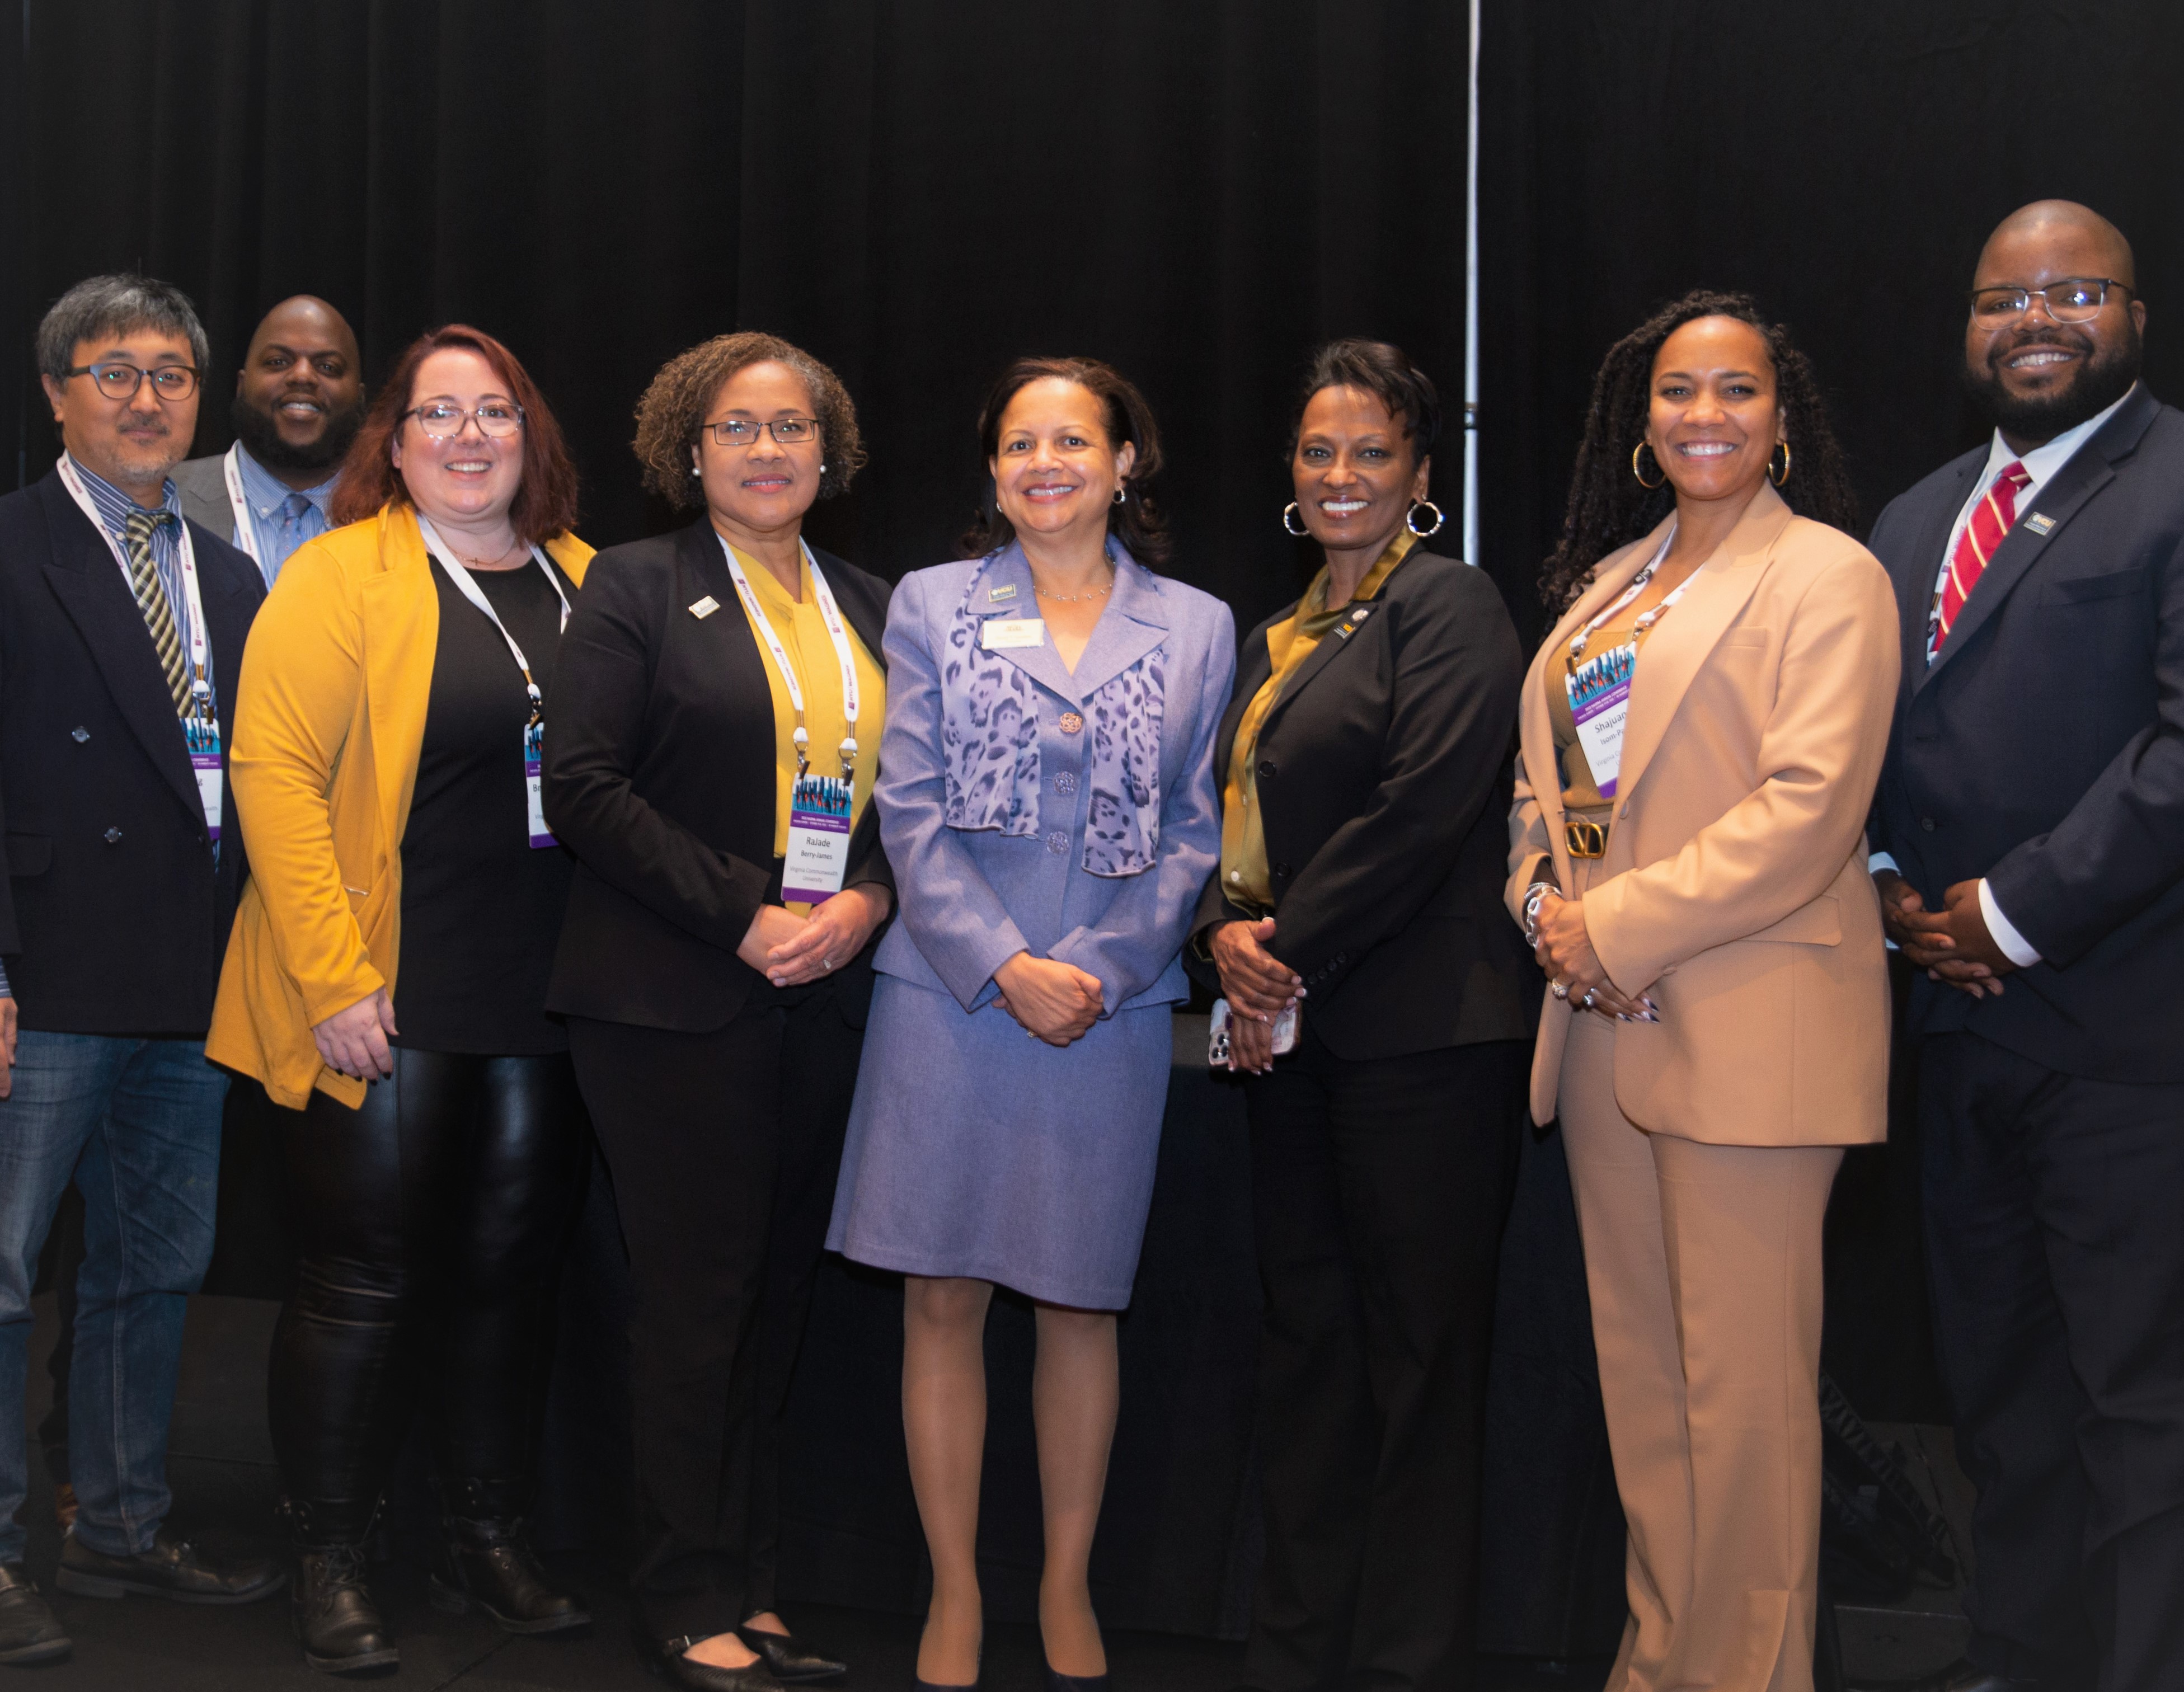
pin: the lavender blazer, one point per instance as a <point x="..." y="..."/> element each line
<point x="1008" y="832"/>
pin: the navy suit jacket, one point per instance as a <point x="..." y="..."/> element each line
<point x="114" y="919"/>
<point x="2044" y="749"/>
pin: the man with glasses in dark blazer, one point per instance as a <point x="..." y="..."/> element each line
<point x="121" y="634"/>
<point x="2029" y="849"/>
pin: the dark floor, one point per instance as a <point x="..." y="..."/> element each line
<point x="220" y="1467"/>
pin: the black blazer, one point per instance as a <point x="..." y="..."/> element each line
<point x="114" y="917"/>
<point x="659" y="776"/>
<point x="2045" y="749"/>
<point x="1385" y="777"/>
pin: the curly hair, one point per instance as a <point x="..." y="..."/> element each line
<point x="1382" y="371"/>
<point x="674" y="407"/>
<point x="1137" y="522"/>
<point x="545" y="505"/>
<point x="1609" y="507"/>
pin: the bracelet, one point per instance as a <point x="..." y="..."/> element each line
<point x="1533" y="895"/>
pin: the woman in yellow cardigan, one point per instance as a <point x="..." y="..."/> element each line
<point x="387" y="980"/>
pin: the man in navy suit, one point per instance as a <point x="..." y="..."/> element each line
<point x="2029" y="848"/>
<point x="121" y="634"/>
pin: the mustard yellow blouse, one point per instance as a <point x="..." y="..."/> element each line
<point x="1244" y="876"/>
<point x="804" y="637"/>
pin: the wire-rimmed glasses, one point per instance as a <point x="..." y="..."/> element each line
<point x="787" y="432"/>
<point x="2074" y="299"/>
<point x="443" y="419"/>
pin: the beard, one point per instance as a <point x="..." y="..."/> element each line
<point x="2099" y="381"/>
<point x="261" y="436"/>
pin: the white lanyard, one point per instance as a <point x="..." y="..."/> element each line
<point x="835" y="632"/>
<point x="246" y="531"/>
<point x="1637" y="586"/>
<point x="200" y="650"/>
<point x="469" y="590"/>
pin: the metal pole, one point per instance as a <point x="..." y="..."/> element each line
<point x="1471" y="307"/>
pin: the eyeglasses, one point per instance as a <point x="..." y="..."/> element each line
<point x="742" y="431"/>
<point x="2074" y="299"/>
<point x="120" y="382"/>
<point x="497" y="418"/>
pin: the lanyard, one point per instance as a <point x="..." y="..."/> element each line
<point x="471" y="591"/>
<point x="246" y="531"/>
<point x="200" y="652"/>
<point x="835" y="632"/>
<point x="1637" y="586"/>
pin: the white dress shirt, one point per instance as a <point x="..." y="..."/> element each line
<point x="2040" y="465"/>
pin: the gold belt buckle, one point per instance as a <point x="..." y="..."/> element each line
<point x="1586" y="839"/>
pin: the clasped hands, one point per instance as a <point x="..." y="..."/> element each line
<point x="1053" y="1001"/>
<point x="1258" y="986"/>
<point x="1953" y="944"/>
<point x="789" y="950"/>
<point x="1564" y="949"/>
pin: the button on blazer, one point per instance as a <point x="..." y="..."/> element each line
<point x="1734" y="889"/>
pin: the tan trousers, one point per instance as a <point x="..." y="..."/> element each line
<point x="1704" y="1266"/>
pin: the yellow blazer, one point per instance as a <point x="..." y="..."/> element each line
<point x="329" y="722"/>
<point x="1734" y="889"/>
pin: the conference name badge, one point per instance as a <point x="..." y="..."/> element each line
<point x="201" y="734"/>
<point x="818" y="856"/>
<point x="534" y="766"/>
<point x="1600" y="706"/>
<point x="998" y="634"/>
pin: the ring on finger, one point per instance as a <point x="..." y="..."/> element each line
<point x="1588" y="999"/>
<point x="1560" y="990"/>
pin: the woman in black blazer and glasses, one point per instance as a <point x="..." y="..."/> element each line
<point x="716" y="734"/>
<point x="1365" y="768"/>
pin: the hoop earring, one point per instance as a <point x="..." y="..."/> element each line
<point x="1410" y="519"/>
<point x="1778" y="480"/>
<point x="1122" y="494"/>
<point x="1640" y="474"/>
<point x="1300" y="533"/>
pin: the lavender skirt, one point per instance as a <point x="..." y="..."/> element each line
<point x="975" y="1150"/>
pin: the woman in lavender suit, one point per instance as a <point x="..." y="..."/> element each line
<point x="1046" y="798"/>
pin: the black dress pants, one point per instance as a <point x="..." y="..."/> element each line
<point x="431" y="1223"/>
<point x="724" y="1148"/>
<point x="2055" y="1242"/>
<point x="1380" y="1188"/>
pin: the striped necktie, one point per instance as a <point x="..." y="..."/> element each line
<point x="137" y="529"/>
<point x="1991" y="521"/>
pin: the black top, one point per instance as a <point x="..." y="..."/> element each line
<point x="659" y="774"/>
<point x="1384" y="785"/>
<point x="481" y="906"/>
<point x="114" y="912"/>
<point x="2044" y="749"/>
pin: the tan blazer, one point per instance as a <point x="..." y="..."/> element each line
<point x="1735" y="889"/>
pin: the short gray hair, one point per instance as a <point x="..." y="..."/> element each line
<point x="99" y="308"/>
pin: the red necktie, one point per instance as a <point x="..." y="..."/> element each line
<point x="1991" y="521"/>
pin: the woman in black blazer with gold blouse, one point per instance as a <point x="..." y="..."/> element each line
<point x="716" y="1015"/>
<point x="1365" y="770"/>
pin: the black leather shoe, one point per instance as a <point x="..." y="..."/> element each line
<point x="1074" y="1682"/>
<point x="173" y="1568"/>
<point x="336" y="1623"/>
<point x="794" y="1662"/>
<point x="665" y="1658"/>
<point x="30" y="1631"/>
<point x="486" y="1563"/>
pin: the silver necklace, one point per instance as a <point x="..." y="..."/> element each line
<point x="1075" y="599"/>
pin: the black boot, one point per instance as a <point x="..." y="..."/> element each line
<point x="486" y="1562"/>
<point x="335" y="1618"/>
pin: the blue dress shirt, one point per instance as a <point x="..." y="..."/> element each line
<point x="281" y="518"/>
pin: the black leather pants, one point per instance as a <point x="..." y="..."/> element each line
<point x="431" y="1224"/>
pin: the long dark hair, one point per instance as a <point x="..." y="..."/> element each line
<point x="1609" y="507"/>
<point x="1137" y="522"/>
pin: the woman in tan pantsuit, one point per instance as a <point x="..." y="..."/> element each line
<point x="1702" y="735"/>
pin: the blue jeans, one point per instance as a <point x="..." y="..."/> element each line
<point x="137" y="1124"/>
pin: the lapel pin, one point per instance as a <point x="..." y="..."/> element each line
<point x="1007" y="590"/>
<point x="2040" y="522"/>
<point x="705" y="608"/>
<point x="1360" y="613"/>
